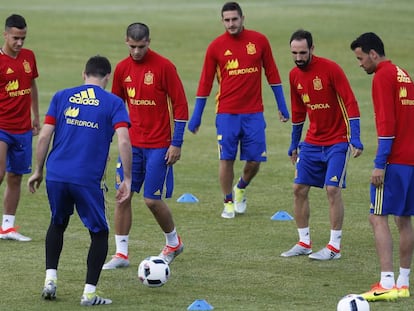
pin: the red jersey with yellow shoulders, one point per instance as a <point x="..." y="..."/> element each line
<point x="16" y="76"/>
<point x="155" y="97"/>
<point x="393" y="99"/>
<point x="237" y="61"/>
<point x="322" y="91"/>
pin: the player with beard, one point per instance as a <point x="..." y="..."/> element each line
<point x="320" y="90"/>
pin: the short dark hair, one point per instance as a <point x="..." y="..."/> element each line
<point x="301" y="34"/>
<point x="369" y="41"/>
<point x="98" y="66"/>
<point x="16" y="21"/>
<point x="138" y="32"/>
<point x="232" y="6"/>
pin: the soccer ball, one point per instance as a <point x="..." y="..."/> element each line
<point x="153" y="271"/>
<point x="353" y="302"/>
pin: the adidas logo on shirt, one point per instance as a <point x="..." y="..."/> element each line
<point x="86" y="97"/>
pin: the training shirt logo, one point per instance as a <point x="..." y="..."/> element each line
<point x="128" y="79"/>
<point x="26" y="66"/>
<point x="9" y="71"/>
<point x="131" y="92"/>
<point x="86" y="97"/>
<point x="305" y="98"/>
<point x="12" y="88"/>
<point x="148" y="78"/>
<point x="251" y="48"/>
<point x="71" y="112"/>
<point x="232" y="64"/>
<point x="228" y="53"/>
<point x="317" y="84"/>
<point x="402" y="77"/>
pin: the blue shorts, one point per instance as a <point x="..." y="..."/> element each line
<point x="396" y="195"/>
<point x="89" y="203"/>
<point x="19" y="152"/>
<point x="322" y="165"/>
<point x="149" y="167"/>
<point x="246" y="129"/>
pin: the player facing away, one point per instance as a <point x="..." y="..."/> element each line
<point x="150" y="86"/>
<point x="236" y="58"/>
<point x="320" y="91"/>
<point x="81" y="121"/>
<point x="392" y="179"/>
<point x="18" y="98"/>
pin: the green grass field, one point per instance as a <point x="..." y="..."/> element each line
<point x="232" y="264"/>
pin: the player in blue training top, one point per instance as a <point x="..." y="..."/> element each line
<point x="82" y="121"/>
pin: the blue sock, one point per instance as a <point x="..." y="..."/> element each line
<point x="242" y="184"/>
<point x="228" y="198"/>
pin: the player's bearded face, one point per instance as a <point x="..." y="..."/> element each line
<point x="365" y="61"/>
<point x="301" y="53"/>
<point x="233" y="22"/>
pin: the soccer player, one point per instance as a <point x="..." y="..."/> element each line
<point x="392" y="179"/>
<point x="82" y="121"/>
<point x="152" y="89"/>
<point x="320" y="90"/>
<point x="18" y="100"/>
<point x="236" y="58"/>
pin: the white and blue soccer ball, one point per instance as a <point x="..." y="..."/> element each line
<point x="153" y="271"/>
<point x="353" y="302"/>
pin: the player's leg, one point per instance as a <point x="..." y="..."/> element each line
<point x="336" y="159"/>
<point x="228" y="128"/>
<point x="406" y="245"/>
<point x="253" y="151"/>
<point x="159" y="183"/>
<point x="90" y="205"/>
<point x="19" y="155"/>
<point x="123" y="211"/>
<point x="61" y="208"/>
<point x="385" y="200"/>
<point x="310" y="171"/>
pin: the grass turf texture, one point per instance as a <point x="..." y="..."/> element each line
<point x="233" y="264"/>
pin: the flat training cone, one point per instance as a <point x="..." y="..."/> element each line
<point x="187" y="198"/>
<point x="200" y="304"/>
<point x="281" y="215"/>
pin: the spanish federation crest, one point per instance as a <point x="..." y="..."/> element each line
<point x="26" y="66"/>
<point x="251" y="48"/>
<point x="149" y="78"/>
<point x="317" y="84"/>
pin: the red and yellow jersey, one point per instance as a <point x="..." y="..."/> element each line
<point x="393" y="100"/>
<point x="237" y="61"/>
<point x="155" y="97"/>
<point x="16" y="77"/>
<point x="322" y="92"/>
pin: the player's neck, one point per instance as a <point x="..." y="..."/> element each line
<point x="5" y="51"/>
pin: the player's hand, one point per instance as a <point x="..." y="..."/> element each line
<point x="34" y="182"/>
<point x="35" y="127"/>
<point x="377" y="177"/>
<point x="194" y="124"/>
<point x="294" y="156"/>
<point x="124" y="191"/>
<point x="355" y="151"/>
<point x="282" y="118"/>
<point x="173" y="155"/>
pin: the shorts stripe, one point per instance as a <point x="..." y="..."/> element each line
<point x="379" y="198"/>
